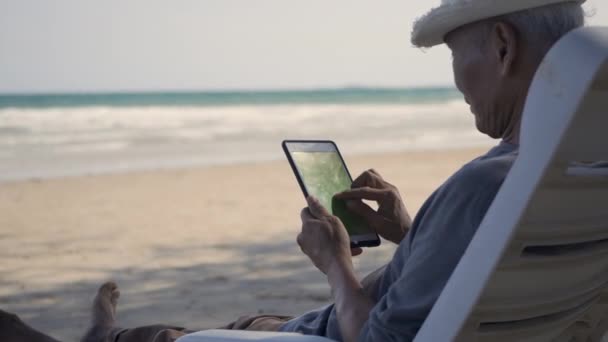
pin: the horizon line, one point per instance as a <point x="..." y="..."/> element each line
<point x="220" y="91"/>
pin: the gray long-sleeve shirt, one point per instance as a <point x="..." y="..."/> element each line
<point x="425" y="259"/>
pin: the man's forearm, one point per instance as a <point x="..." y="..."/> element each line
<point x="352" y="304"/>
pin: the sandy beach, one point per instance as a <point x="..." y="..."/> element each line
<point x="195" y="247"/>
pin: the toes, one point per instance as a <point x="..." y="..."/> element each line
<point x="108" y="288"/>
<point x="114" y="296"/>
<point x="104" y="306"/>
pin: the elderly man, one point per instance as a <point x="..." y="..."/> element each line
<point x="496" y="47"/>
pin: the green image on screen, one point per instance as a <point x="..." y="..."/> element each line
<point x="324" y="176"/>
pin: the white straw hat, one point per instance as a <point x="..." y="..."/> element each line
<point x="430" y="29"/>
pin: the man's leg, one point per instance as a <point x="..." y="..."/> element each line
<point x="12" y="329"/>
<point x="149" y="333"/>
<point x="108" y="293"/>
<point x="103" y="326"/>
<point x="258" y="323"/>
<point x="103" y="323"/>
<point x="163" y="333"/>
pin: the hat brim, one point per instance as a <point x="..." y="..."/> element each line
<point x="431" y="29"/>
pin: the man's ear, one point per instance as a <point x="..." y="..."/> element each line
<point x="504" y="44"/>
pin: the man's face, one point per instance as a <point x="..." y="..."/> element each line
<point x="477" y="76"/>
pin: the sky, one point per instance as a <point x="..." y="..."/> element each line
<point x="147" y="45"/>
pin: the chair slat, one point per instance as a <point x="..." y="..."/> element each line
<point x="584" y="139"/>
<point x="543" y="328"/>
<point x="566" y="205"/>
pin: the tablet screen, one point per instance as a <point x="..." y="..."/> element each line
<point x="324" y="175"/>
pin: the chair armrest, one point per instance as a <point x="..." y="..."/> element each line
<point x="217" y="335"/>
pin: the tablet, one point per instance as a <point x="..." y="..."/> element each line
<point x="322" y="173"/>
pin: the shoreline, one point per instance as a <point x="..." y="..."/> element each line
<point x="193" y="165"/>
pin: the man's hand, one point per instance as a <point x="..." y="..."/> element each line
<point x="392" y="220"/>
<point x="323" y="238"/>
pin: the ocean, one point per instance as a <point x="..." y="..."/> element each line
<point x="56" y="135"/>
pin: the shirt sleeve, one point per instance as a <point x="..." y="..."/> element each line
<point x="438" y="243"/>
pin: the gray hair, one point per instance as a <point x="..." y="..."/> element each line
<point x="543" y="26"/>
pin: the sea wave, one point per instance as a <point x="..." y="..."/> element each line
<point x="54" y="139"/>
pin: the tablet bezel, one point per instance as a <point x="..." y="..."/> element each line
<point x="289" y="146"/>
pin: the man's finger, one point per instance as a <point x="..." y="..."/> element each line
<point x="300" y="241"/>
<point x="316" y="208"/>
<point x="305" y="215"/>
<point x="370" y="215"/>
<point x="363" y="193"/>
<point x="311" y="225"/>
<point x="367" y="178"/>
<point x="375" y="173"/>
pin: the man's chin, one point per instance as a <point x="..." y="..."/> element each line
<point x="492" y="133"/>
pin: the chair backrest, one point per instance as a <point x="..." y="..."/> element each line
<point x="537" y="268"/>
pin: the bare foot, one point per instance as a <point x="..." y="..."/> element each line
<point x="103" y="313"/>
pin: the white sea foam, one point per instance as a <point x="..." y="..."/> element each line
<point x="61" y="141"/>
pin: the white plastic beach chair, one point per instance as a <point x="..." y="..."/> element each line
<point x="537" y="269"/>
